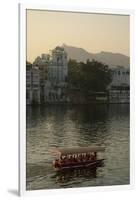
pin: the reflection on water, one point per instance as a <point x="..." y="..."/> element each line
<point x="69" y="126"/>
<point x="65" y="177"/>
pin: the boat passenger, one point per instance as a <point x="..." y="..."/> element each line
<point x="61" y="157"/>
<point x="57" y="163"/>
<point x="74" y="158"/>
<point x="77" y="159"/>
<point x="71" y="158"/>
<point x="82" y="157"/>
<point x="65" y="159"/>
<point x="95" y="155"/>
<point x="92" y="157"/>
<point x="87" y="156"/>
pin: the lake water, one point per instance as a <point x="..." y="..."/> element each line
<point x="77" y="126"/>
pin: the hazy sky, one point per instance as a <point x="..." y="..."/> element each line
<point x="93" y="32"/>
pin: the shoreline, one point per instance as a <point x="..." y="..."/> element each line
<point x="77" y="104"/>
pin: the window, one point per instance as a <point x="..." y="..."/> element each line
<point x="35" y="85"/>
<point x="36" y="76"/>
<point x="28" y="77"/>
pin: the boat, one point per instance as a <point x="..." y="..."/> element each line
<point x="77" y="158"/>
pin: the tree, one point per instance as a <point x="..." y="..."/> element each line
<point x="74" y="71"/>
<point x="95" y="76"/>
<point x="90" y="76"/>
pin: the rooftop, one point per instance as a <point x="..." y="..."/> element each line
<point x="76" y="150"/>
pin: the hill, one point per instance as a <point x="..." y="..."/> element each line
<point x="109" y="58"/>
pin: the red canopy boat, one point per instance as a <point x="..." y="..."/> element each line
<point x="72" y="158"/>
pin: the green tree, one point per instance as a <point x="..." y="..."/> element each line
<point x="74" y="73"/>
<point x="90" y="76"/>
<point x="95" y="76"/>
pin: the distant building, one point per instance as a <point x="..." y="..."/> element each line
<point x="32" y="85"/>
<point x="120" y="76"/>
<point x="57" y="73"/>
<point x="28" y="84"/>
<point x="44" y="59"/>
<point x="53" y="73"/>
<point x="58" y="68"/>
<point x="119" y="89"/>
<point x="35" y="85"/>
<point x="42" y="64"/>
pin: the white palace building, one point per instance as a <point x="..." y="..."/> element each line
<point x="119" y="89"/>
<point x="58" y="68"/>
<point x="46" y="79"/>
<point x="57" y="73"/>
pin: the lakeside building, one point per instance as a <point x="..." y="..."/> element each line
<point x="57" y="73"/>
<point x="42" y="64"/>
<point x="32" y="85"/>
<point x="46" y="79"/>
<point x="119" y="89"/>
<point x="58" y="67"/>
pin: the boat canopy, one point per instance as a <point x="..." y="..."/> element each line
<point x="80" y="150"/>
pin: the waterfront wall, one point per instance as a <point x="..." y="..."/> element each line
<point x="70" y="96"/>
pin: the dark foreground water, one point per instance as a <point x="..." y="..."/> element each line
<point x="76" y="126"/>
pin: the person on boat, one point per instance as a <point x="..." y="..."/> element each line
<point x="87" y="156"/>
<point x="74" y="158"/>
<point x="61" y="157"/>
<point x="82" y="157"/>
<point x="95" y="155"/>
<point x="67" y="160"/>
<point x="64" y="159"/>
<point x="77" y="158"/>
<point x="57" y="163"/>
<point x="92" y="157"/>
<point x="71" y="158"/>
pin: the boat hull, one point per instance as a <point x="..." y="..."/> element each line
<point x="92" y="164"/>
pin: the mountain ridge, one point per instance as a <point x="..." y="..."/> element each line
<point x="109" y="58"/>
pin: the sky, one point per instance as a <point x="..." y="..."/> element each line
<point x="93" y="32"/>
